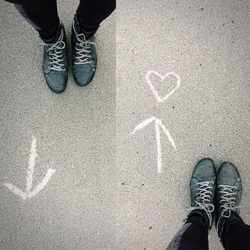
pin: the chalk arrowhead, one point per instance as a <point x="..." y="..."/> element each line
<point x="42" y="185"/>
<point x="16" y="190"/>
<point x="39" y="187"/>
<point x="29" y="179"/>
<point x="158" y="125"/>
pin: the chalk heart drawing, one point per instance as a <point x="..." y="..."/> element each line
<point x="163" y="78"/>
<point x="29" y="179"/>
<point x="157" y="125"/>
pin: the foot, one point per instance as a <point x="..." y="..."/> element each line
<point x="228" y="196"/>
<point x="55" y="67"/>
<point x="202" y="189"/>
<point x="84" y="55"/>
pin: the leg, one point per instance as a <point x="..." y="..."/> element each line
<point x="192" y="236"/>
<point x="91" y="13"/>
<point x="236" y="235"/>
<point x="42" y="15"/>
<point x="232" y="231"/>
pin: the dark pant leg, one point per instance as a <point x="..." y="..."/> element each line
<point x="236" y="236"/>
<point x="42" y="15"/>
<point x="192" y="236"/>
<point x="91" y="13"/>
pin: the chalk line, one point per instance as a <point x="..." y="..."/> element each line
<point x="167" y="133"/>
<point x="158" y="97"/>
<point x="143" y="124"/>
<point x="29" y="179"/>
<point x="43" y="183"/>
<point x="157" y="124"/>
<point x="17" y="191"/>
<point x="32" y="160"/>
<point x="158" y="143"/>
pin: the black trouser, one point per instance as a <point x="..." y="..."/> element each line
<point x="43" y="15"/>
<point x="194" y="236"/>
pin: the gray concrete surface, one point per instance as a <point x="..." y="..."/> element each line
<point x="75" y="135"/>
<point x="94" y="201"/>
<point x="207" y="44"/>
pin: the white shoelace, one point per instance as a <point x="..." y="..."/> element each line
<point x="203" y="199"/>
<point x="56" y="61"/>
<point x="83" y="49"/>
<point x="228" y="200"/>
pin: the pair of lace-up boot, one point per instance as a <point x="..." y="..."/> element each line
<point x="215" y="194"/>
<point x="84" y="59"/>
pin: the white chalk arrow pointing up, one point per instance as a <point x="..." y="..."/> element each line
<point x="29" y="179"/>
<point x="158" y="125"/>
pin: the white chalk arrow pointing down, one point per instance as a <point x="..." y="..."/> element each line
<point x="29" y="179"/>
<point x="158" y="125"/>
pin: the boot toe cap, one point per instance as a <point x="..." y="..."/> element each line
<point x="56" y="82"/>
<point x="83" y="74"/>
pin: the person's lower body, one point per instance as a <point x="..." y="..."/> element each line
<point x="192" y="236"/>
<point x="236" y="235"/>
<point x="91" y="13"/>
<point x="88" y="17"/>
<point x="43" y="16"/>
<point x="194" y="233"/>
<point x="232" y="231"/>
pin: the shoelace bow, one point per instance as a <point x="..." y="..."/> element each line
<point x="83" y="49"/>
<point x="228" y="200"/>
<point x="56" y="55"/>
<point x="203" y="199"/>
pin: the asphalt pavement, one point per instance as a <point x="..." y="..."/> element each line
<point x="75" y="136"/>
<point x="205" y="45"/>
<point x="107" y="166"/>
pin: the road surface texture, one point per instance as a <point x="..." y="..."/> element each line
<point x="75" y="134"/>
<point x="206" y="43"/>
<point x="111" y="188"/>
